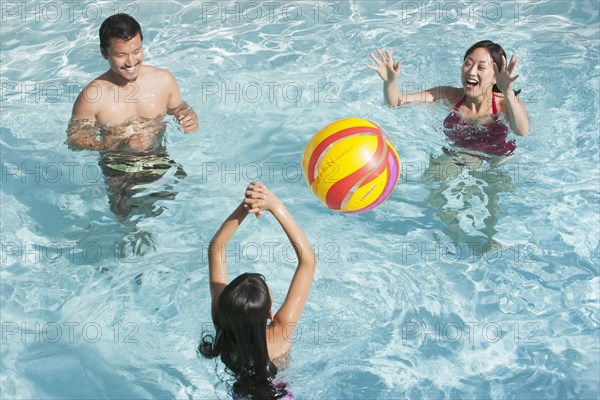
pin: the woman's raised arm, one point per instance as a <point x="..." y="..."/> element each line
<point x="389" y="72"/>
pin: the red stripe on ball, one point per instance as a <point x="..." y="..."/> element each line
<point x="338" y="191"/>
<point x="321" y="147"/>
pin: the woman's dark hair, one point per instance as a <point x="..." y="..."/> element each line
<point x="241" y="339"/>
<point x="120" y="26"/>
<point x="496" y="52"/>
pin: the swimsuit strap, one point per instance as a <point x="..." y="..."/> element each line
<point x="460" y="102"/>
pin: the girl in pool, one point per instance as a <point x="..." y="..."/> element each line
<point x="251" y="347"/>
<point x="486" y="91"/>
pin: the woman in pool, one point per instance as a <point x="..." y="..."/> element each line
<point x="486" y="92"/>
<point x="250" y="347"/>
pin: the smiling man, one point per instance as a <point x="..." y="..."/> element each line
<point x="120" y="114"/>
<point x="123" y="109"/>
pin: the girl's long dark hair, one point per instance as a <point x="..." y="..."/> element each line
<point x="241" y="339"/>
<point x="496" y="52"/>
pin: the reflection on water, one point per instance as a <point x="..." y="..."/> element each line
<point x="132" y="193"/>
<point x="466" y="197"/>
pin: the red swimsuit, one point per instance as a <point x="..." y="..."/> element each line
<point x="488" y="138"/>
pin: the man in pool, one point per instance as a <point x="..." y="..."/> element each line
<point x="120" y="114"/>
<point x="123" y="109"/>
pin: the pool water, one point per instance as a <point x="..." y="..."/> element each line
<point x="474" y="282"/>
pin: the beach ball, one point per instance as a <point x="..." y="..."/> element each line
<point x="351" y="166"/>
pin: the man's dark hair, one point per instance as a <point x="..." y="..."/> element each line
<point x="120" y="26"/>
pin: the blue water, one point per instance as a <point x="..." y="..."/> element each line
<point x="480" y="283"/>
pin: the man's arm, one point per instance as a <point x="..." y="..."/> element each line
<point x="180" y="109"/>
<point x="81" y="132"/>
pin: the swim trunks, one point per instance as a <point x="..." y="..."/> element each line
<point x="152" y="164"/>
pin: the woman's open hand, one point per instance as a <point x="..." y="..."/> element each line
<point x="504" y="77"/>
<point x="385" y="67"/>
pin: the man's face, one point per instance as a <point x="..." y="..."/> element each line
<point x="125" y="57"/>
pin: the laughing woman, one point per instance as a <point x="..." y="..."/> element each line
<point x="474" y="123"/>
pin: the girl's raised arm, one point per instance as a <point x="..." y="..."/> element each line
<point x="217" y="264"/>
<point x="259" y="198"/>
